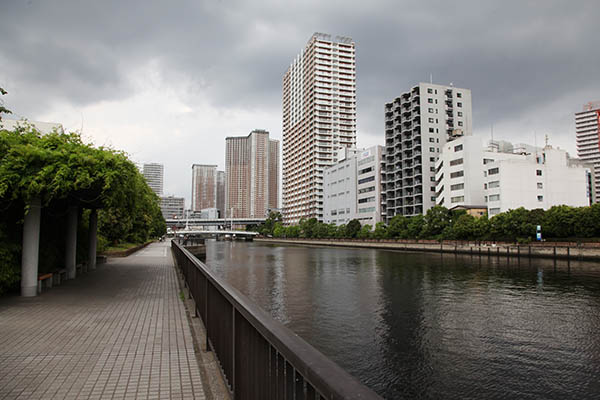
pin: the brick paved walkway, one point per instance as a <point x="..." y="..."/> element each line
<point x="119" y="332"/>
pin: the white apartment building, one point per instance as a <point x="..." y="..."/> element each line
<point x="172" y="207"/>
<point x="339" y="189"/>
<point x="154" y="174"/>
<point x="319" y="117"/>
<point x="587" y="129"/>
<point x="353" y="187"/>
<point x="42" y="127"/>
<point x="468" y="175"/>
<point x="418" y="124"/>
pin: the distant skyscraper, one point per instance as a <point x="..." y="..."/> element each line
<point x="587" y="128"/>
<point x="251" y="164"/>
<point x="417" y="125"/>
<point x="319" y="117"/>
<point x="221" y="193"/>
<point x="154" y="176"/>
<point x="204" y="187"/>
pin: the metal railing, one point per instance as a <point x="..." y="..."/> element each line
<point x="259" y="357"/>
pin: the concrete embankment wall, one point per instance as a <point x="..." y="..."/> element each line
<point x="556" y="250"/>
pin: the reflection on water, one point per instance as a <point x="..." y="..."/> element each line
<point x="419" y="325"/>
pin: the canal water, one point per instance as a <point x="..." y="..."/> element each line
<point x="422" y="325"/>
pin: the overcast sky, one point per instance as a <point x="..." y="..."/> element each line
<point x="168" y="81"/>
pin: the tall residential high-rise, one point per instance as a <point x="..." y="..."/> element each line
<point x="319" y="117"/>
<point x="417" y="125"/>
<point x="221" y="193"/>
<point x="204" y="186"/>
<point x="251" y="164"/>
<point x="154" y="176"/>
<point x="587" y="128"/>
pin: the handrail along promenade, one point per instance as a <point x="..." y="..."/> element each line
<point x="260" y="358"/>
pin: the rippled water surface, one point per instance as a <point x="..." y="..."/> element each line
<point x="419" y="325"/>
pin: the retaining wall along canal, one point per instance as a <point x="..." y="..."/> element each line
<point x="552" y="250"/>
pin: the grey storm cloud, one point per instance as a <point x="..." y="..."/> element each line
<point x="517" y="57"/>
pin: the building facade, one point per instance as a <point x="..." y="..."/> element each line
<point x="470" y="176"/>
<point x="587" y="129"/>
<point x="352" y="188"/>
<point x="154" y="173"/>
<point x="221" y="181"/>
<point x="251" y="170"/>
<point x="172" y="207"/>
<point x="319" y="117"/>
<point x="418" y="124"/>
<point x="204" y="186"/>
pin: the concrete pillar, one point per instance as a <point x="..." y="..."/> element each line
<point x="71" y="243"/>
<point x="31" y="249"/>
<point x="93" y="229"/>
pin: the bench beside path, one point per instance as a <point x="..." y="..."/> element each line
<point x="119" y="332"/>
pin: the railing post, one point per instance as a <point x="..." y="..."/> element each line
<point x="206" y="312"/>
<point x="233" y="358"/>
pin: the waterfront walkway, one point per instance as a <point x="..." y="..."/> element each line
<point x="119" y="332"/>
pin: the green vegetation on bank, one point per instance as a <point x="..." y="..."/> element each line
<point x="61" y="170"/>
<point x="439" y="223"/>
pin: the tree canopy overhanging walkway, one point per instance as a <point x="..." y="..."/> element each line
<point x="70" y="181"/>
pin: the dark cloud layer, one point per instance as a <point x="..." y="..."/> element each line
<point x="515" y="56"/>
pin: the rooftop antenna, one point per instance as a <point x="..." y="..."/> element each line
<point x="492" y="131"/>
<point x="431" y="78"/>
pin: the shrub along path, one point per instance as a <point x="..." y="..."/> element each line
<point x="118" y="332"/>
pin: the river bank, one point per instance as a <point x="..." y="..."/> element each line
<point x="551" y="250"/>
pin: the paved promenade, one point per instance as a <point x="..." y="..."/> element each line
<point x="119" y="332"/>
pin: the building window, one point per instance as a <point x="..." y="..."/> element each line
<point x="432" y="179"/>
<point x="431" y="140"/>
<point x="540" y="198"/>
<point x="538" y="172"/>
<point x="430" y="110"/>
<point x="367" y="179"/>
<point x="433" y="199"/>
<point x="458" y="186"/>
<point x="431" y="159"/>
<point x="457" y="199"/>
<point x="433" y="188"/>
<point x="460" y="123"/>
<point x="457" y="174"/>
<point x="429" y="90"/>
<point x="459" y="104"/>
<point x="364" y="171"/>
<point x="494" y="211"/>
<point x="430" y="120"/>
<point x="494" y="197"/>
<point x="458" y="161"/>
<point x="460" y="113"/>
<point x="458" y="94"/>
<point x="432" y="149"/>
<point x="493" y="171"/>
<point x="430" y="100"/>
<point x="366" y="200"/>
<point x="487" y="161"/>
<point x="458" y="148"/>
<point x="493" y="184"/>
<point x="540" y="185"/>
<point x="431" y="130"/>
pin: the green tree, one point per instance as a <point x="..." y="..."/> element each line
<point x="415" y="226"/>
<point x="398" y="228"/>
<point x="380" y="231"/>
<point x="352" y="228"/>
<point x="3" y="110"/>
<point x="437" y="219"/>
<point x="364" y="232"/>
<point x="340" y="232"/>
<point x="559" y="222"/>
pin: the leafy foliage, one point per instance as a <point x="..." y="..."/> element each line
<point x="559" y="222"/>
<point x="61" y="170"/>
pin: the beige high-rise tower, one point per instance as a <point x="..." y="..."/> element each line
<point x="252" y="178"/>
<point x="587" y="129"/>
<point x="319" y="117"/>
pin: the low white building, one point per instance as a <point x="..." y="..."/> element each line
<point x="467" y="175"/>
<point x="172" y="207"/>
<point x="352" y="188"/>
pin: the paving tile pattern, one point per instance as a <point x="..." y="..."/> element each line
<point x="119" y="332"/>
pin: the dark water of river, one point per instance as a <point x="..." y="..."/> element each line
<point x="421" y="325"/>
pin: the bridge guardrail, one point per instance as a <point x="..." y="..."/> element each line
<point x="260" y="358"/>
